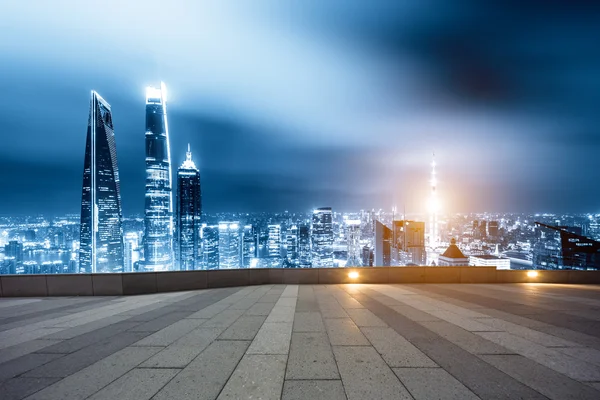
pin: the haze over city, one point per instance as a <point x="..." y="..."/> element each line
<point x="291" y="107"/>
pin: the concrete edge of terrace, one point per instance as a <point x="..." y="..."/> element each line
<point x="155" y="282"/>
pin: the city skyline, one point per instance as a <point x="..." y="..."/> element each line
<point x="343" y="111"/>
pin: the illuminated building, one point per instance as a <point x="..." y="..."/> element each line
<point x="409" y="239"/>
<point x="353" y="243"/>
<point x="322" y="238"/>
<point x="128" y="256"/>
<point x="383" y="245"/>
<point x="291" y="245"/>
<point x="189" y="213"/>
<point x="565" y="248"/>
<point x="210" y="246"/>
<point x="433" y="208"/>
<point x="158" y="235"/>
<point x="274" y="241"/>
<point x="229" y="245"/>
<point x="249" y="246"/>
<point x="101" y="232"/>
<point x="453" y="257"/>
<point x="489" y="260"/>
<point x="493" y="229"/>
<point x="304" y="254"/>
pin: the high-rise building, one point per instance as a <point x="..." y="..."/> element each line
<point x="322" y="238"/>
<point x="353" y="241"/>
<point x="409" y="239"/>
<point x="434" y="207"/>
<point x="493" y="229"/>
<point x="274" y="241"/>
<point x="128" y="256"/>
<point x="189" y="214"/>
<point x="249" y="245"/>
<point x="158" y="235"/>
<point x="210" y="246"/>
<point x="291" y="246"/>
<point x="483" y="229"/>
<point x="101" y="232"/>
<point x="304" y="255"/>
<point x="383" y="245"/>
<point x="13" y="253"/>
<point x="229" y="245"/>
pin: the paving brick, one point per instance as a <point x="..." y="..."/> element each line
<point x="366" y="376"/>
<point x="272" y="338"/>
<point x="22" y="349"/>
<point x="89" y="380"/>
<point x="183" y="351"/>
<point x="223" y="319"/>
<point x="73" y="362"/>
<point x="396" y="350"/>
<point x="257" y="376"/>
<point x="343" y="332"/>
<point x="171" y="333"/>
<point x="311" y="357"/>
<point x="23" y="364"/>
<point x="159" y="323"/>
<point x="308" y="322"/>
<point x="137" y="384"/>
<point x="543" y="379"/>
<point x="314" y="390"/>
<point x="363" y="317"/>
<point x="433" y="383"/>
<point x="19" y="388"/>
<point x="245" y="328"/>
<point x="204" y="378"/>
<point x="260" y="309"/>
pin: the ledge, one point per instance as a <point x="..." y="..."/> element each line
<point x="153" y="282"/>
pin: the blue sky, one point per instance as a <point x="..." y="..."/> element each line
<point x="294" y="105"/>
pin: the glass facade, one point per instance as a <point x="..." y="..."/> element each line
<point x="322" y="238"/>
<point x="189" y="214"/>
<point x="210" y="246"/>
<point x="101" y="232"/>
<point x="229" y="245"/>
<point x="158" y="235"/>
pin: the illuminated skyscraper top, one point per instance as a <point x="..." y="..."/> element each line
<point x="158" y="237"/>
<point x="189" y="214"/>
<point x="433" y="207"/>
<point x="101" y="232"/>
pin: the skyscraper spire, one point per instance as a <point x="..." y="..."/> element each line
<point x="433" y="207"/>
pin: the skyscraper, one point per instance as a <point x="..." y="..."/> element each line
<point x="383" y="245"/>
<point x="189" y="213"/>
<point x="210" y="246"/>
<point x="274" y="240"/>
<point x="229" y="245"/>
<point x="291" y="246"/>
<point x="101" y="232"/>
<point x="434" y="207"/>
<point x="304" y="256"/>
<point x="158" y="235"/>
<point x="322" y="238"/>
<point x="249" y="246"/>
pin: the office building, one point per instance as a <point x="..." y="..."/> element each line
<point x="189" y="215"/>
<point x="493" y="229"/>
<point x="101" y="230"/>
<point x="409" y="239"/>
<point x="274" y="241"/>
<point x="210" y="246"/>
<point x="249" y="246"/>
<point x="304" y="253"/>
<point x="353" y="243"/>
<point x="291" y="244"/>
<point x="229" y="245"/>
<point x="322" y="238"/>
<point x="383" y="245"/>
<point x="158" y="223"/>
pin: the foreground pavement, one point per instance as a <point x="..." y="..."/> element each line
<point x="360" y="341"/>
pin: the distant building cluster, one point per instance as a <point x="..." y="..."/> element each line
<point x="176" y="234"/>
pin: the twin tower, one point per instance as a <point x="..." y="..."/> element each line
<point x="101" y="240"/>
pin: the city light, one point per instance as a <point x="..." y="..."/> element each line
<point x="532" y="274"/>
<point x="353" y="275"/>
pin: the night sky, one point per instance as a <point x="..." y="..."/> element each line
<point x="290" y="105"/>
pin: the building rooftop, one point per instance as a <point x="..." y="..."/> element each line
<point x="489" y="257"/>
<point x="355" y="341"/>
<point x="453" y="251"/>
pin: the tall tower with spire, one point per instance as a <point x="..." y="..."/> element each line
<point x="433" y="207"/>
<point x="158" y="221"/>
<point x="188" y="224"/>
<point x="101" y="232"/>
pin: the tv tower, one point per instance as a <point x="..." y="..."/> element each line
<point x="433" y="208"/>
